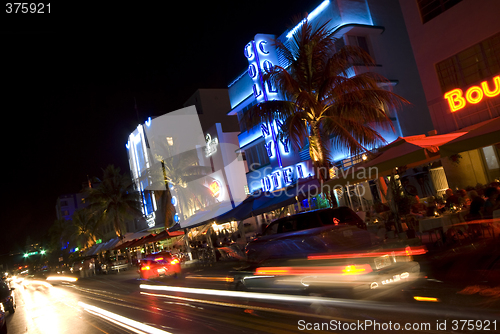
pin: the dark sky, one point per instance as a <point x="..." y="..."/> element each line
<point x="69" y="79"/>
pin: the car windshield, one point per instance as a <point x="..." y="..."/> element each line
<point x="4" y="290"/>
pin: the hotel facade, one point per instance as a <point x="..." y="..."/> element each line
<point x="377" y="27"/>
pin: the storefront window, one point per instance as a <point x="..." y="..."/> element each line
<point x="490" y="154"/>
<point x="490" y="157"/>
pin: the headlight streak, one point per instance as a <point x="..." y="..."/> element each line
<point x="127" y="323"/>
<point x="62" y="278"/>
<point x="36" y="282"/>
<point x="249" y="307"/>
<point x="185" y="304"/>
<point x="335" y="302"/>
<point x="212" y="278"/>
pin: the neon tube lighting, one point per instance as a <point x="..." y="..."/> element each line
<point x="310" y="17"/>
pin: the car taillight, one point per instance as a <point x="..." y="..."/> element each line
<point x="145" y="268"/>
<point x="174" y="261"/>
<point x="356" y="270"/>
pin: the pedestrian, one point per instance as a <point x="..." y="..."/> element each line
<point x="491" y="204"/>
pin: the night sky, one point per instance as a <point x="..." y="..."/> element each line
<point x="69" y="79"/>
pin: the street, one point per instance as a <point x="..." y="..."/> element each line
<point x="202" y="302"/>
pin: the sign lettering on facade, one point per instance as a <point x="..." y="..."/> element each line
<point x="475" y="94"/>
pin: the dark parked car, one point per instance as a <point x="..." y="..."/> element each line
<point x="7" y="297"/>
<point x="3" y="322"/>
<point x="285" y="237"/>
<point x="115" y="264"/>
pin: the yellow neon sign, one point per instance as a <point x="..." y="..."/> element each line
<point x="473" y="95"/>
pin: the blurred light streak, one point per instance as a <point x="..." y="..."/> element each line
<point x="132" y="325"/>
<point x="62" y="278"/>
<point x="418" y="250"/>
<point x="36" y="282"/>
<point x="244" y="306"/>
<point x="397" y="308"/>
<point x="425" y="299"/>
<point x="324" y="270"/>
<point x="207" y="278"/>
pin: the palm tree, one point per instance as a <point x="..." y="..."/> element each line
<point x="85" y="225"/>
<point x="59" y="233"/>
<point x="115" y="200"/>
<point x="323" y="104"/>
<point x="182" y="174"/>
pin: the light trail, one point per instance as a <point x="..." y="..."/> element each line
<point x="334" y="302"/>
<point x="132" y="325"/>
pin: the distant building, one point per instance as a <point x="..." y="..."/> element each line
<point x="217" y="128"/>
<point x="212" y="106"/>
<point x="66" y="205"/>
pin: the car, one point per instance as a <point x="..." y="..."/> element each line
<point x="3" y="321"/>
<point x="115" y="264"/>
<point x="285" y="237"/>
<point x="159" y="264"/>
<point x="7" y="297"/>
<point x="329" y="259"/>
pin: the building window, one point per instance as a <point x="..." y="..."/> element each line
<point x="478" y="62"/>
<point x="257" y="155"/>
<point x="64" y="203"/>
<point x="359" y="41"/>
<point x="242" y="114"/>
<point x="429" y="9"/>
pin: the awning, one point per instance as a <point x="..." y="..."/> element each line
<point x="484" y="134"/>
<point x="200" y="218"/>
<point x="256" y="205"/>
<point x="290" y="195"/>
<point x="134" y="235"/>
<point x="405" y="151"/>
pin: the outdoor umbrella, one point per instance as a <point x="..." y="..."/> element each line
<point x="404" y="151"/>
<point x="485" y="134"/>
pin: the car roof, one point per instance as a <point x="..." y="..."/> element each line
<point x="157" y="255"/>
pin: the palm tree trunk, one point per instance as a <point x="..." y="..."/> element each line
<point x="321" y="168"/>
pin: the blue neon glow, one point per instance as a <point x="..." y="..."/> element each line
<point x="148" y="122"/>
<point x="174" y="200"/>
<point x="310" y="17"/>
<point x="176" y="218"/>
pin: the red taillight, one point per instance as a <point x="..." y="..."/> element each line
<point x="356" y="269"/>
<point x="174" y="261"/>
<point x="145" y="268"/>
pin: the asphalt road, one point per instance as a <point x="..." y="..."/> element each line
<point x="200" y="302"/>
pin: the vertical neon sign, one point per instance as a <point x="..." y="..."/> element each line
<point x="262" y="56"/>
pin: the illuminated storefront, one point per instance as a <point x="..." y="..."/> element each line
<point x="457" y="50"/>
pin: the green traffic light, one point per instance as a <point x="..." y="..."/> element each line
<point x="26" y="255"/>
<point x="42" y="252"/>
